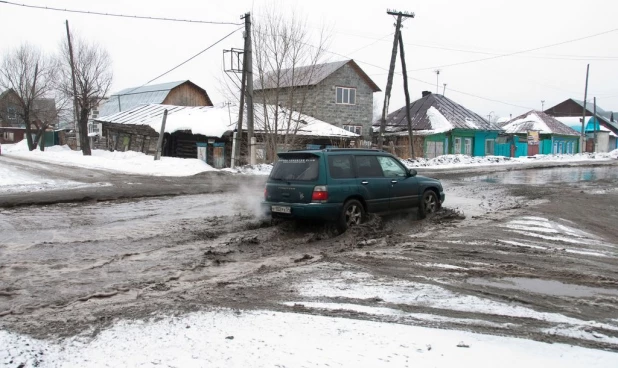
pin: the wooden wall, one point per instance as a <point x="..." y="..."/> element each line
<point x="187" y="94"/>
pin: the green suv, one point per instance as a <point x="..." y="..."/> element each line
<point x="343" y="185"/>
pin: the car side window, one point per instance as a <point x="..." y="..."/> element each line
<point x="368" y="167"/>
<point x="391" y="168"/>
<point x="340" y="167"/>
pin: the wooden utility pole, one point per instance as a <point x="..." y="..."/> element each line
<point x="391" y="70"/>
<point x="75" y="105"/>
<point x="160" y="140"/>
<point x="596" y="139"/>
<point x="582" y="145"/>
<point x="249" y="71"/>
<point x="405" y="90"/>
<point x="241" y="111"/>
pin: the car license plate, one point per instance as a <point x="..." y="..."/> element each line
<point x="281" y="209"/>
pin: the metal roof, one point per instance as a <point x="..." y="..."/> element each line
<point x="458" y="116"/>
<point x="308" y="76"/>
<point x="131" y="97"/>
<point x="537" y="120"/>
<point x="604" y="115"/>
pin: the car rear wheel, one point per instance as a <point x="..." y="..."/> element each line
<point x="353" y="213"/>
<point x="429" y="204"/>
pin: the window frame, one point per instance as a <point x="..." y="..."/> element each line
<point x="492" y="143"/>
<point x="11" y="113"/>
<point x="358" y="171"/>
<point x="353" y="128"/>
<point x="350" y="91"/>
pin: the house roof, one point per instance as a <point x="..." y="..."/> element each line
<point x="205" y="120"/>
<point x="604" y="115"/>
<point x="537" y="120"/>
<point x="215" y="121"/>
<point x="309" y="76"/>
<point x="435" y="113"/>
<point x="131" y="97"/>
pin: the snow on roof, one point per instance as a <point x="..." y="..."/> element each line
<point x="455" y="114"/>
<point x="537" y="120"/>
<point x="439" y="123"/>
<point x="206" y="120"/>
<point x="214" y="121"/>
<point x="303" y="124"/>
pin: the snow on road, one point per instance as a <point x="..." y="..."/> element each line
<point x="225" y="338"/>
<point x="13" y="180"/>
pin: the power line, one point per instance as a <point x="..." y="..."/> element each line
<point x="184" y="62"/>
<point x="517" y="52"/>
<point x="117" y="15"/>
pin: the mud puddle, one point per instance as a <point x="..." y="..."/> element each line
<point x="547" y="176"/>
<point x="540" y="286"/>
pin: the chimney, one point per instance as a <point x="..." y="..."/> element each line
<point x="426" y="93"/>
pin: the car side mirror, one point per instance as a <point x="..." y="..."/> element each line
<point x="412" y="172"/>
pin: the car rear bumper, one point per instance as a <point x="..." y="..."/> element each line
<point x="318" y="211"/>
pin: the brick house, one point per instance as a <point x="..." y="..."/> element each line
<point x="340" y="93"/>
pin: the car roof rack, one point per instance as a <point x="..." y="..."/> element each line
<point x="337" y="150"/>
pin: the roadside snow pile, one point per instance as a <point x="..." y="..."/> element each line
<point x="265" y="339"/>
<point x="454" y="161"/>
<point x="129" y="162"/>
<point x="259" y="169"/>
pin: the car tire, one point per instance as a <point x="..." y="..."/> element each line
<point x="353" y="213"/>
<point x="429" y="204"/>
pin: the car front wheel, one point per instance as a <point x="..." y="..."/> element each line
<point x="353" y="213"/>
<point x="429" y="204"/>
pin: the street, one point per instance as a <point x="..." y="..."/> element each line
<point x="528" y="253"/>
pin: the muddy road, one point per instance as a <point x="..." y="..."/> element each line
<point x="521" y="253"/>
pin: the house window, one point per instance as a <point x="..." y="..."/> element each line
<point x="468" y="146"/>
<point x="346" y="96"/>
<point x="489" y="147"/>
<point x="8" y="136"/>
<point x="11" y="113"/>
<point x="358" y="129"/>
<point x="457" y="148"/>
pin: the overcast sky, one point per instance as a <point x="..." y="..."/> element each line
<point x="443" y="32"/>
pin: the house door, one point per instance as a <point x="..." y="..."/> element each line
<point x="218" y="154"/>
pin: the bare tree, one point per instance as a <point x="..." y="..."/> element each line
<point x="285" y="63"/>
<point x="28" y="79"/>
<point x="93" y="78"/>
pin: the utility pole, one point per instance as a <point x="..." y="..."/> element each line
<point x="75" y="105"/>
<point x="241" y="110"/>
<point x="583" y="137"/>
<point x="249" y="79"/>
<point x="444" y="89"/>
<point x="437" y="71"/>
<point x="542" y="105"/>
<point x="405" y="90"/>
<point x="596" y="137"/>
<point x="391" y="70"/>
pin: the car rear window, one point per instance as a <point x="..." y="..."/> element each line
<point x="298" y="168"/>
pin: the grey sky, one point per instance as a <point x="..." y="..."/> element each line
<point x="142" y="49"/>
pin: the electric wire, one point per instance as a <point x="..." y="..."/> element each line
<point x="117" y="15"/>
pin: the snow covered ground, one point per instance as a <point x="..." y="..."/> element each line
<point x="129" y="162"/>
<point x="226" y="338"/>
<point x="138" y="163"/>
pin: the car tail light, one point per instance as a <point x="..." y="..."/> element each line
<point x="265" y="193"/>
<point x="320" y="194"/>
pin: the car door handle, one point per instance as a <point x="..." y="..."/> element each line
<point x="394" y="181"/>
<point x="364" y="182"/>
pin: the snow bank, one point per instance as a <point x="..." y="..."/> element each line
<point x="259" y="169"/>
<point x="272" y="339"/>
<point x="455" y="161"/>
<point x="129" y="162"/>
